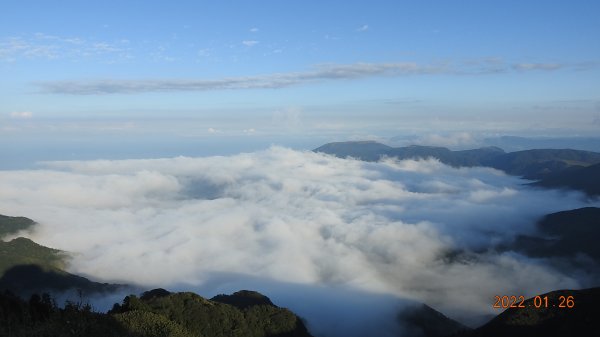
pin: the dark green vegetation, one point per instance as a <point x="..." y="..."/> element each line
<point x="156" y="313"/>
<point x="12" y="225"/>
<point x="40" y="316"/>
<point x="581" y="320"/>
<point x="530" y="164"/>
<point x="565" y="234"/>
<point x="244" y="313"/>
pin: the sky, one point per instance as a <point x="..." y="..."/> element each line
<point x="166" y="113"/>
<point x="74" y="72"/>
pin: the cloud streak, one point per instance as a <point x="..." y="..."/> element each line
<point x="51" y="47"/>
<point x="537" y="66"/>
<point x="324" y="72"/>
<point x="417" y="230"/>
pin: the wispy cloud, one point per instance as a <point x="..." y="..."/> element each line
<point x="250" y="43"/>
<point x="161" y="54"/>
<point x="363" y="28"/>
<point x="44" y="46"/>
<point x="254" y="30"/>
<point x="21" y="114"/>
<point x="15" y="47"/>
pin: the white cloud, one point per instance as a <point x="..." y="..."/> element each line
<point x="250" y="43"/>
<point x="103" y="47"/>
<point x="21" y="114"/>
<point x="363" y="28"/>
<point x="293" y="217"/>
<point x="205" y="52"/>
<point x="254" y="30"/>
<point x="537" y="66"/>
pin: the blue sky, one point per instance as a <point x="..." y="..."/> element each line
<point x="305" y="67"/>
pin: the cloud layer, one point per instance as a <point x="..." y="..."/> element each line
<point x="417" y="230"/>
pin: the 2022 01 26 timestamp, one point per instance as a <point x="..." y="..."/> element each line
<point x="538" y="302"/>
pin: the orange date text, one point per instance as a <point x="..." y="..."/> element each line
<point x="538" y="302"/>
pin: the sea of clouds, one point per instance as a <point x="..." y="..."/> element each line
<point x="313" y="232"/>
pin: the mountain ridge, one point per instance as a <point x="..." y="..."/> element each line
<point x="554" y="168"/>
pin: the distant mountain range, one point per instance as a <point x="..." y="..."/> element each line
<point x="557" y="168"/>
<point x="373" y="151"/>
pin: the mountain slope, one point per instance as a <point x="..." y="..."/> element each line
<point x="22" y="251"/>
<point x="565" y="234"/>
<point x="12" y="225"/>
<point x="26" y="280"/>
<point x="586" y="179"/>
<point x="425" y="321"/>
<point x="27" y="267"/>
